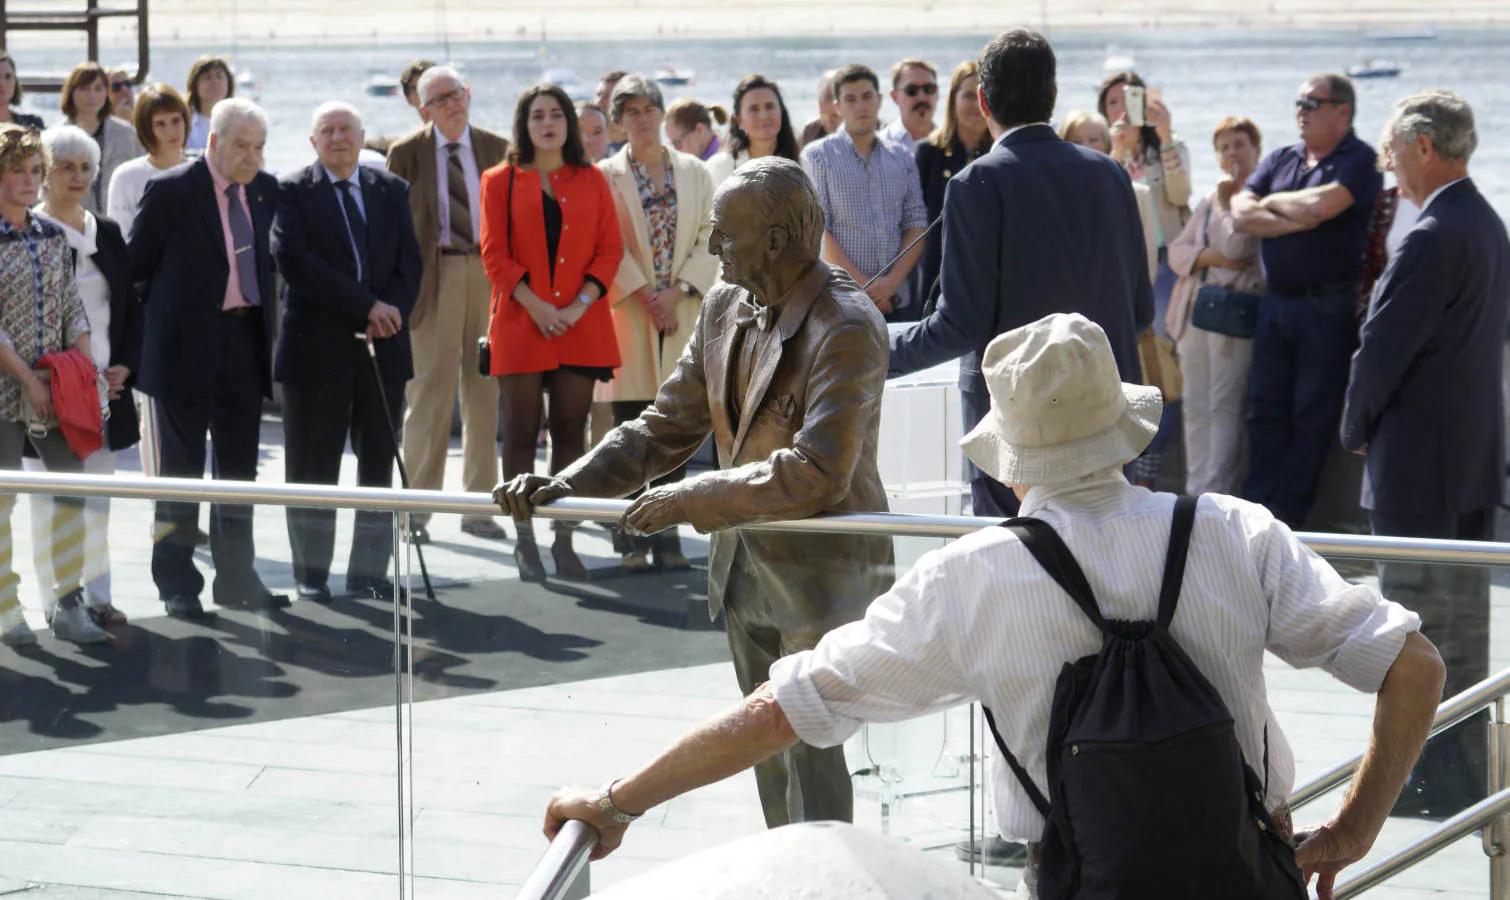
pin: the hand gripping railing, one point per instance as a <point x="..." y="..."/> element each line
<point x="556" y="875"/>
<point x="1491" y="815"/>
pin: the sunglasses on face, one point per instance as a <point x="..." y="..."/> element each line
<point x="120" y="85"/>
<point x="912" y="90"/>
<point x="1311" y="104"/>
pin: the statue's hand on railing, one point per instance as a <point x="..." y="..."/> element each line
<point x="519" y="496"/>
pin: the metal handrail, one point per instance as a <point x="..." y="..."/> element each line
<point x="1449" y="713"/>
<point x="555" y="875"/>
<point x="1476" y="817"/>
<point x="1386" y="549"/>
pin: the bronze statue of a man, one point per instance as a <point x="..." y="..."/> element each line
<point x="785" y="369"/>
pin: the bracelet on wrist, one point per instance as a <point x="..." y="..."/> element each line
<point x="612" y="811"/>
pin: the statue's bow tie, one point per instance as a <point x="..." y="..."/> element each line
<point x="749" y="314"/>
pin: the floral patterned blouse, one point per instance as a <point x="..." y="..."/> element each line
<point x="660" y="218"/>
<point x="40" y="309"/>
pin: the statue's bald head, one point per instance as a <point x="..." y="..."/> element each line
<point x="773" y="192"/>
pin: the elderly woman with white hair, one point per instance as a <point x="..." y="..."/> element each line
<point x="102" y="275"/>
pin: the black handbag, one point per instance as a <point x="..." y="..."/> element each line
<point x="1221" y="310"/>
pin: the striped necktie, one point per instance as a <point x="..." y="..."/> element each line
<point x="244" y="243"/>
<point x="458" y="200"/>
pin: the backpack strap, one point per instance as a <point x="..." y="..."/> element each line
<point x="1056" y="559"/>
<point x="1034" y="794"/>
<point x="1174" y="560"/>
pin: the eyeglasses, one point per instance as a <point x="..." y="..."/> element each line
<point x="120" y="85"/>
<point x="1311" y="104"/>
<point x="454" y="95"/>
<point x="912" y="90"/>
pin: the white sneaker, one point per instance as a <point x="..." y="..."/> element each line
<point x="71" y="622"/>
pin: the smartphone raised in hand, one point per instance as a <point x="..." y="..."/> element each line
<point x="1135" y="99"/>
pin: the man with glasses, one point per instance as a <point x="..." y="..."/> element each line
<point x="871" y="195"/>
<point x="1310" y="202"/>
<point x="443" y="162"/>
<point x="122" y="95"/>
<point x="915" y="91"/>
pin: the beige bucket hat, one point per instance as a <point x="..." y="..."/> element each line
<point x="1059" y="409"/>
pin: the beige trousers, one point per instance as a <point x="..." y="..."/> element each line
<point x="445" y="350"/>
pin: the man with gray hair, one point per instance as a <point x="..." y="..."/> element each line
<point x="344" y="240"/>
<point x="1424" y="406"/>
<point x="443" y="163"/>
<point x="784" y="369"/>
<point x="200" y="242"/>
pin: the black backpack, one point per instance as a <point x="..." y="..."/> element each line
<point x="1149" y="795"/>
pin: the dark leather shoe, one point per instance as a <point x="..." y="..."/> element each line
<point x="419" y="534"/>
<point x="184" y="607"/>
<point x="254" y="600"/>
<point x="527" y="561"/>
<point x="486" y="529"/>
<point x="319" y="593"/>
<point x="996" y="850"/>
<point x="376" y="587"/>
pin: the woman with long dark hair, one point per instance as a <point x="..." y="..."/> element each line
<point x="760" y="126"/>
<point x="551" y="247"/>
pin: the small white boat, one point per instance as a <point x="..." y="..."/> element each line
<point x="670" y="75"/>
<point x="383" y="85"/>
<point x="1375" y="69"/>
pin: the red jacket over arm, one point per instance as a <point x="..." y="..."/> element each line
<point x="590" y="245"/>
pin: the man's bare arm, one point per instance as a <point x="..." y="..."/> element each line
<point x="1250" y="215"/>
<point x="1403" y="714"/>
<point x="726" y="744"/>
<point x="1311" y="206"/>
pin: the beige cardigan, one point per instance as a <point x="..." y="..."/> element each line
<point x="648" y="359"/>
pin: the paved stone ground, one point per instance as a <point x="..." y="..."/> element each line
<point x="255" y="756"/>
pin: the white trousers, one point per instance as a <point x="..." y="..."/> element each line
<point x="1216" y="370"/>
<point x="96" y="535"/>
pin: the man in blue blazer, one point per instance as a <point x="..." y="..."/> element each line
<point x="1036" y="226"/>
<point x="344" y="240"/>
<point x="200" y="245"/>
<point x="1424" y="406"/>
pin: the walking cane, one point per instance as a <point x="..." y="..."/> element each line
<point x="403" y="474"/>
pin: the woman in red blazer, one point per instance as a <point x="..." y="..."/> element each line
<point x="551" y="246"/>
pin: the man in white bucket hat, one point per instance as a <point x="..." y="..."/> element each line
<point x="980" y="620"/>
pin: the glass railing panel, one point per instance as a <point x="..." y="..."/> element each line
<point x="243" y="752"/>
<point x="1465" y="611"/>
<point x="533" y="686"/>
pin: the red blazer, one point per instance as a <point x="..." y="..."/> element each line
<point x="591" y="244"/>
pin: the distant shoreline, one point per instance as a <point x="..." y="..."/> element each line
<point x="179" y="22"/>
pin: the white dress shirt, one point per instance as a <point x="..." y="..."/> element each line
<point x="443" y="181"/>
<point x="980" y="620"/>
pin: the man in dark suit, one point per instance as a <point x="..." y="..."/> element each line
<point x="1424" y="406"/>
<point x="200" y="244"/>
<point x="344" y="240"/>
<point x="1036" y="226"/>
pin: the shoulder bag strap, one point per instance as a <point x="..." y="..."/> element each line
<point x="1174" y="560"/>
<point x="1205" y="236"/>
<point x="1048" y="548"/>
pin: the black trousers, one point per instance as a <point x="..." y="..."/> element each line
<point x="231" y="414"/>
<point x="316" y="422"/>
<point x="1453" y="603"/>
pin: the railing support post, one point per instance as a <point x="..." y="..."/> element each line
<point x="1497" y="835"/>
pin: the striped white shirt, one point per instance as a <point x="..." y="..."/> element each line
<point x="980" y="620"/>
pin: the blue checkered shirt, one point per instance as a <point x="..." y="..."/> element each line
<point x="867" y="204"/>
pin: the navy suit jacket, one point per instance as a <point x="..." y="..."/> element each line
<point x="1425" y="396"/>
<point x="114" y="263"/>
<point x="178" y="252"/>
<point x="1036" y="226"/>
<point x="324" y="304"/>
